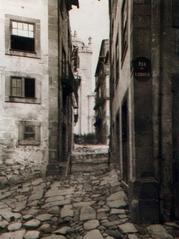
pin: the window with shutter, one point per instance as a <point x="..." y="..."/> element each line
<point x="22" y="87"/>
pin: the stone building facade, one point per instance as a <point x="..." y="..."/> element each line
<point x="33" y="45"/>
<point x="102" y="113"/>
<point x="144" y="40"/>
<point x="85" y="93"/>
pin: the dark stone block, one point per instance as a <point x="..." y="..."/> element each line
<point x="149" y="191"/>
<point x="149" y="211"/>
<point x="144" y="200"/>
<point x="147" y="188"/>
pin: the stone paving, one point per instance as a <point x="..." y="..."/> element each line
<point x="83" y="206"/>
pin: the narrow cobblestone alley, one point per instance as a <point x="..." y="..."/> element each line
<point x="83" y="206"/>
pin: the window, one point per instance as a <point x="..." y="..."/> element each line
<point x="22" y="36"/>
<point x="16" y="87"/>
<point x="124" y="29"/>
<point x="22" y="87"/>
<point x="29" y="133"/>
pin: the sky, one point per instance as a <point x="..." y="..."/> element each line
<point x="91" y="19"/>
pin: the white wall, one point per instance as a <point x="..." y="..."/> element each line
<point x="86" y="103"/>
<point x="23" y="160"/>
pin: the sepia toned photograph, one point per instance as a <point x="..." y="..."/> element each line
<point x="89" y="122"/>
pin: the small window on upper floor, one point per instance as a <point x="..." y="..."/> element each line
<point x="22" y="36"/>
<point x="22" y="87"/>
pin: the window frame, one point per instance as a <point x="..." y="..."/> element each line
<point x="11" y="34"/>
<point x="8" y="33"/>
<point x="9" y="98"/>
<point x="23" y="82"/>
<point x="11" y="88"/>
<point x="21" y="133"/>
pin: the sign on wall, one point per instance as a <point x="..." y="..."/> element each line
<point x="142" y="68"/>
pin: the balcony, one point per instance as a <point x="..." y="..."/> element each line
<point x="71" y="84"/>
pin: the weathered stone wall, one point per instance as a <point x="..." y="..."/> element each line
<point x="53" y="85"/>
<point x="169" y="166"/>
<point x="17" y="161"/>
<point x="122" y="88"/>
<point x="152" y="106"/>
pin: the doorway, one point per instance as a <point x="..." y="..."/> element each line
<point x="175" y="130"/>
<point x="125" y="140"/>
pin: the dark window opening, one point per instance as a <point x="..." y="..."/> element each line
<point x="22" y="36"/>
<point x="29" y="87"/>
<point x="29" y="132"/>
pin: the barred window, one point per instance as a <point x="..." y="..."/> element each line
<point x="29" y="133"/>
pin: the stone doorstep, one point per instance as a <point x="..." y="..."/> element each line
<point x="172" y="225"/>
<point x="85" y="167"/>
<point x="158" y="231"/>
<point x="90" y="160"/>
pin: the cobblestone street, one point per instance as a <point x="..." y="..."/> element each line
<point x="84" y="206"/>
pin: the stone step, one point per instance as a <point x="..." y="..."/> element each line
<point x="89" y="163"/>
<point x="88" y="168"/>
<point x="89" y="156"/>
